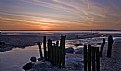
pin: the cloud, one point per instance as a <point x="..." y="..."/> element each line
<point x="63" y="13"/>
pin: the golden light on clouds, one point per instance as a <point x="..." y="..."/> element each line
<point x="45" y="28"/>
<point x="60" y="14"/>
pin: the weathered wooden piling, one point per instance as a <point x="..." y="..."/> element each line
<point x="97" y="59"/>
<point x="49" y="50"/>
<point x="93" y="58"/>
<point x="89" y="57"/>
<point x="110" y="43"/>
<point x="40" y="50"/>
<point x="59" y="56"/>
<point x="44" y="46"/>
<point x="85" y="57"/>
<point x="62" y="45"/>
<point x="53" y="52"/>
<point x="57" y="53"/>
<point x="102" y="46"/>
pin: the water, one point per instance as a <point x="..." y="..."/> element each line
<point x="51" y="32"/>
<point x="14" y="60"/>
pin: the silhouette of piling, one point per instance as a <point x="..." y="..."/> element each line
<point x="102" y="46"/>
<point x="55" y="53"/>
<point x="59" y="57"/>
<point x="62" y="45"/>
<point x="85" y="57"/>
<point x="93" y="59"/>
<point x="49" y="50"/>
<point x="110" y="43"/>
<point x="40" y="50"/>
<point x="97" y="59"/>
<point x="89" y="57"/>
<point x="44" y="46"/>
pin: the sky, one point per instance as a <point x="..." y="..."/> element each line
<point x="60" y="14"/>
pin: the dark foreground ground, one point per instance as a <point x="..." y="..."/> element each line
<point x="107" y="64"/>
<point x="113" y="63"/>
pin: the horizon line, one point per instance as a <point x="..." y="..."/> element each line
<point x="63" y="30"/>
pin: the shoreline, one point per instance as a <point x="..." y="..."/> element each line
<point x="22" y="41"/>
<point x="106" y="61"/>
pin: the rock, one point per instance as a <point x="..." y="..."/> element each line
<point x="28" y="66"/>
<point x="33" y="59"/>
<point x="69" y="50"/>
<point x="42" y="65"/>
<point x="79" y="51"/>
<point x="74" y="65"/>
<point x="2" y="43"/>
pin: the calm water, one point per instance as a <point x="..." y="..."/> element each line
<point x="49" y="32"/>
<point x="14" y="60"/>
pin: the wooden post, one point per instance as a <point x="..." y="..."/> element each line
<point x="97" y="59"/>
<point x="102" y="47"/>
<point x="85" y="57"/>
<point x="40" y="50"/>
<point x="53" y="45"/>
<point x="62" y="45"/>
<point x="93" y="58"/>
<point x="54" y="54"/>
<point x="57" y="51"/>
<point x="49" y="50"/>
<point x="44" y="46"/>
<point x="59" y="56"/>
<point x="89" y="57"/>
<point x="110" y="43"/>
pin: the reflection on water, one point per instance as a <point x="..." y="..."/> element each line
<point x="51" y="32"/>
<point x="14" y="60"/>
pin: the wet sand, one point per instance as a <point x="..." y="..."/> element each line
<point x="21" y="41"/>
<point x="107" y="64"/>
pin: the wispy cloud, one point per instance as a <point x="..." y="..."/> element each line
<point x="61" y="13"/>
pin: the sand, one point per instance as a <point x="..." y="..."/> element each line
<point x="113" y="63"/>
<point x="107" y="64"/>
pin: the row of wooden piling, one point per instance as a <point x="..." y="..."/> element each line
<point x="53" y="52"/>
<point x="91" y="58"/>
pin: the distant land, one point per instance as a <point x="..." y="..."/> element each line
<point x="65" y="30"/>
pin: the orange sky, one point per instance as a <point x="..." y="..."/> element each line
<point x="60" y="14"/>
